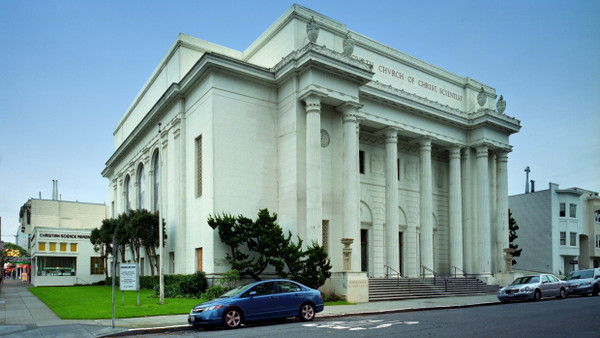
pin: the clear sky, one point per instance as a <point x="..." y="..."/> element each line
<point x="70" y="69"/>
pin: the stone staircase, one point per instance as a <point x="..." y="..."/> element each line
<point x="381" y="289"/>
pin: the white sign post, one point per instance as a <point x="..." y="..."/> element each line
<point x="129" y="279"/>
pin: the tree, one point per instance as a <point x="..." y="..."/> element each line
<point x="512" y="235"/>
<point x="102" y="239"/>
<point x="254" y="245"/>
<point x="133" y="230"/>
<point x="10" y="250"/>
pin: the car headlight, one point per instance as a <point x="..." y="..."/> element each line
<point x="209" y="308"/>
<point x="214" y="307"/>
<point x="525" y="288"/>
<point x="586" y="283"/>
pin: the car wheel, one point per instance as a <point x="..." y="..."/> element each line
<point x="307" y="312"/>
<point x="232" y="319"/>
<point x="537" y="295"/>
<point x="562" y="294"/>
<point x="596" y="290"/>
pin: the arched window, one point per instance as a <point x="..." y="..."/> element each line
<point x="141" y="187"/>
<point x="127" y="193"/>
<point x="156" y="182"/>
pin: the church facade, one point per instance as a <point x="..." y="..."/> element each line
<point x="341" y="136"/>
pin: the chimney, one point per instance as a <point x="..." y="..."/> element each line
<point x="527" y="170"/>
<point x="532" y="185"/>
<point x="54" y="190"/>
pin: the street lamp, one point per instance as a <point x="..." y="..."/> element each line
<point x="160" y="226"/>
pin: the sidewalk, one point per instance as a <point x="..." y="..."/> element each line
<point x="21" y="313"/>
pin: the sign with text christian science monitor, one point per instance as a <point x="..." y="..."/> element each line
<point x="128" y="278"/>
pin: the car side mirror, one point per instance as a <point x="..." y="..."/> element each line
<point x="252" y="294"/>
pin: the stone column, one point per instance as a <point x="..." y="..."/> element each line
<point x="391" y="199"/>
<point x="502" y="201"/>
<point x="426" y="206"/>
<point x="467" y="207"/>
<point x="483" y="212"/>
<point x="314" y="206"/>
<point x="351" y="198"/>
<point x="455" y="205"/>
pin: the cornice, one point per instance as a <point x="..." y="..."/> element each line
<point x="325" y="58"/>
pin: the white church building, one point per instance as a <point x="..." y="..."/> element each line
<point x="341" y="136"/>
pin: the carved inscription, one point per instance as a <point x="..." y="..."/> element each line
<point x="398" y="74"/>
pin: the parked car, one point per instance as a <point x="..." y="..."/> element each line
<point x="533" y="287"/>
<point x="269" y="299"/>
<point x="583" y="282"/>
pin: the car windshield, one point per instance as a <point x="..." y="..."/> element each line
<point x="236" y="291"/>
<point x="526" y="280"/>
<point x="580" y="274"/>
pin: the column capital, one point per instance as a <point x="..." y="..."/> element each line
<point x="502" y="157"/>
<point x="312" y="100"/>
<point x="454" y="151"/>
<point x="390" y="134"/>
<point x="424" y="143"/>
<point x="482" y="150"/>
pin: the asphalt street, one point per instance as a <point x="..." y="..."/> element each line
<point x="571" y="317"/>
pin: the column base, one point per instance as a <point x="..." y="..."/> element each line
<point x="353" y="286"/>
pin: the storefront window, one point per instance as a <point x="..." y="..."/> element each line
<point x="56" y="266"/>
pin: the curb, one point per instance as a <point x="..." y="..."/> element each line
<point x="186" y="327"/>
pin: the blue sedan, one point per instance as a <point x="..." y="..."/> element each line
<point x="269" y="299"/>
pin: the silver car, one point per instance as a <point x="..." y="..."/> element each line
<point x="533" y="287"/>
<point x="583" y="282"/>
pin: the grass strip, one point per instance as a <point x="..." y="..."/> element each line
<point x="95" y="302"/>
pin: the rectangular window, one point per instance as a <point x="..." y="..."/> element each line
<point x="361" y="162"/>
<point x="63" y="247"/>
<point x="573" y="239"/>
<point x="172" y="262"/>
<point x="563" y="238"/>
<point x="42" y="246"/>
<point x="562" y="212"/>
<point x="199" y="166"/>
<point x="572" y="210"/>
<point x="96" y="266"/>
<point x="198" y="259"/>
<point x="325" y="232"/>
<point x="73" y="247"/>
<point x="597" y="241"/>
<point x="52" y="246"/>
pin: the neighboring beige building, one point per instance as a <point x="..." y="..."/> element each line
<point x="341" y="136"/>
<point x="58" y="239"/>
<point x="559" y="229"/>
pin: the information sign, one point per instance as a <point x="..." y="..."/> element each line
<point x="128" y="277"/>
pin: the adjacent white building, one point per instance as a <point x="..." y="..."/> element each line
<point x="341" y="136"/>
<point x="559" y="229"/>
<point x="58" y="240"/>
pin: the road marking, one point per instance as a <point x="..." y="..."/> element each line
<point x="359" y="325"/>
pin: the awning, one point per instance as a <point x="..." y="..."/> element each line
<point x="19" y="260"/>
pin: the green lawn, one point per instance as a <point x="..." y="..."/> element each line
<point x="95" y="302"/>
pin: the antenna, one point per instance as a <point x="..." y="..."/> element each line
<point x="527" y="170"/>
